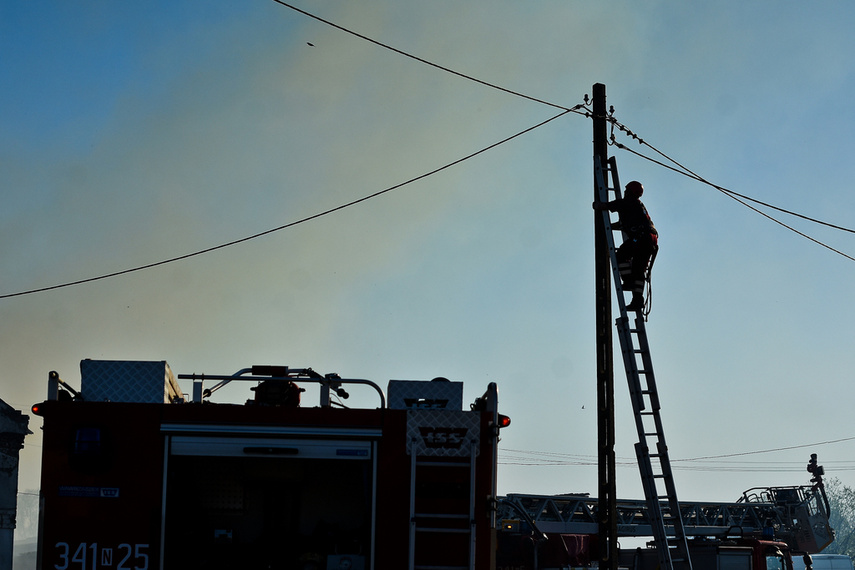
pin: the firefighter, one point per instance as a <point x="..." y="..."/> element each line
<point x="641" y="244"/>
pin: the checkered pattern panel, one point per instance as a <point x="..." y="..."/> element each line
<point x="443" y="433"/>
<point x="127" y="381"/>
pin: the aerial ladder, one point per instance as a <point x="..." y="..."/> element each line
<point x="663" y="509"/>
<point x="560" y="531"/>
<point x="797" y="515"/>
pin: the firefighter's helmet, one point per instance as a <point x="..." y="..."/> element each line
<point x="634" y="188"/>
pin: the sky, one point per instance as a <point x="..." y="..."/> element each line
<point x="133" y="133"/>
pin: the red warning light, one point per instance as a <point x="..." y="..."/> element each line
<point x="37" y="409"/>
<point x="504" y="421"/>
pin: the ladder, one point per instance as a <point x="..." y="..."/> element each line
<point x="442" y="493"/>
<point x="657" y="479"/>
<point x="578" y="514"/>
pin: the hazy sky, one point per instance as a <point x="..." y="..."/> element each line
<point x="132" y="133"/>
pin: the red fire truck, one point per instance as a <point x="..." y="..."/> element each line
<point x="136" y="475"/>
<point x="765" y="529"/>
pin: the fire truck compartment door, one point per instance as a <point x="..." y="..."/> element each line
<point x="269" y="447"/>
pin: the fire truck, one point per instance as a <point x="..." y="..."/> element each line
<point x="138" y="475"/>
<point x="765" y="529"/>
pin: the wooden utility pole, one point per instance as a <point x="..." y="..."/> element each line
<point x="607" y="507"/>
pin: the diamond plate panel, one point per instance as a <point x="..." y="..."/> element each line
<point x="443" y="433"/>
<point x="128" y="381"/>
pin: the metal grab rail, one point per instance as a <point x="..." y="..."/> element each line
<point x="329" y="383"/>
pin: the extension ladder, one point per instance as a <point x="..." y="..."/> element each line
<point x="663" y="509"/>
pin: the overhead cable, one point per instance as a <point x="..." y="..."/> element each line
<point x="529" y="457"/>
<point x="742" y="199"/>
<point x="685" y="171"/>
<point x="576" y="109"/>
<point x="788" y="448"/>
<point x="288" y="225"/>
<point x="703" y="468"/>
<point x="426" y="62"/>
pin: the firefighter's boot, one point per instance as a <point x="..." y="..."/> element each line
<point x="637" y="302"/>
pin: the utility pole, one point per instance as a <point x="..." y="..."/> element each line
<point x="607" y="507"/>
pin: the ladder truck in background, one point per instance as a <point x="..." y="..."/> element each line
<point x="765" y="529"/>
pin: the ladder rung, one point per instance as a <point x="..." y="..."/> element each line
<point x="441" y="516"/>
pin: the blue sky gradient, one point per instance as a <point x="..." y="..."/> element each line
<point x="133" y="133"/>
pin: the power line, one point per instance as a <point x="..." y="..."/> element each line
<point x="741" y="198"/>
<point x="831" y="467"/>
<point x="767" y="450"/>
<point x="545" y="458"/>
<point x="576" y="109"/>
<point x="713" y="468"/>
<point x="424" y="61"/>
<point x="288" y="225"/>
<point x="687" y="172"/>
